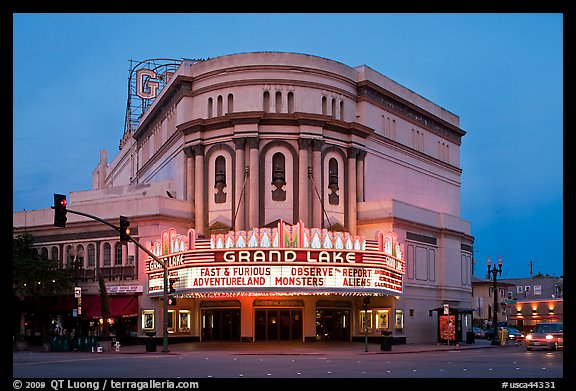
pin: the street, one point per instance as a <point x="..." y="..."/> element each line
<point x="512" y="362"/>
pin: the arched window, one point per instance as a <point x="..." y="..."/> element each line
<point x="220" y="179"/>
<point x="210" y="107"/>
<point x="219" y="106"/>
<point x="342" y="110"/>
<point x="54" y="253"/>
<point x="278" y="102"/>
<point x="107" y="252"/>
<point x="230" y="107"/>
<point x="324" y="106"/>
<point x="290" y="102"/>
<point x="333" y="197"/>
<point x="118" y="254"/>
<point x="44" y="253"/>
<point x="333" y="108"/>
<point x="80" y="255"/>
<point x="91" y="256"/>
<point x="266" y="102"/>
<point x="278" y="176"/>
<point x="70" y="254"/>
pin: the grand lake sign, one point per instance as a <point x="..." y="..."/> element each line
<point x="289" y="258"/>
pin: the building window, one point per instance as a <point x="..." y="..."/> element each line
<point x="44" y="252"/>
<point x="80" y="255"/>
<point x="382" y="319"/>
<point x="118" y="254"/>
<point x="333" y="197"/>
<point x="210" y="108"/>
<point x="278" y="102"/>
<point x="324" y="106"/>
<point x="219" y="106"/>
<point x="266" y="102"/>
<point x="107" y="250"/>
<point x="54" y="253"/>
<point x="366" y="319"/>
<point x="230" y="107"/>
<point x="519" y="289"/>
<point x="278" y="177"/>
<point x="147" y="319"/>
<point x="399" y="320"/>
<point x="342" y="110"/>
<point x="70" y="253"/>
<point x="220" y="180"/>
<point x="290" y="102"/>
<point x="537" y="289"/>
<point x="91" y="255"/>
<point x="333" y="108"/>
<point x="411" y="312"/>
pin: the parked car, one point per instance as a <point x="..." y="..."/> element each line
<point x="549" y="336"/>
<point x="478" y="332"/>
<point x="513" y="334"/>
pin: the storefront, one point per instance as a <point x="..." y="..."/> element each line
<point x="288" y="283"/>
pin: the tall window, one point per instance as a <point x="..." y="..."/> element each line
<point x="219" y="106"/>
<point x="266" y="102"/>
<point x="220" y="179"/>
<point x="118" y="254"/>
<point x="91" y="256"/>
<point x="278" y="102"/>
<point x="70" y="253"/>
<point x="342" y="110"/>
<point x="230" y="107"/>
<point x="324" y="106"/>
<point x="54" y="253"/>
<point x="290" y="102"/>
<point x="333" y="197"/>
<point x="107" y="252"/>
<point x="278" y="176"/>
<point x="80" y="255"/>
<point x="333" y="108"/>
<point x="210" y="107"/>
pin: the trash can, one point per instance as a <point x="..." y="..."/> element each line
<point x="470" y="337"/>
<point x="151" y="342"/>
<point x="386" y="341"/>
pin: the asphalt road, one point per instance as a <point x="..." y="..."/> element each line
<point x="512" y="362"/>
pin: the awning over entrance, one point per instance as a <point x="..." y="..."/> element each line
<point x="120" y="306"/>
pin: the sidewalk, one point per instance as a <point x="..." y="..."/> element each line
<point x="293" y="348"/>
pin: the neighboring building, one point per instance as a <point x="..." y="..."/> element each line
<point x="539" y="287"/>
<point x="483" y="301"/>
<point x="330" y="193"/>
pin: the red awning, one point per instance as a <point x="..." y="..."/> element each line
<point x="120" y="306"/>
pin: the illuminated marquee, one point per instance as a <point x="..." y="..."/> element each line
<point x="289" y="258"/>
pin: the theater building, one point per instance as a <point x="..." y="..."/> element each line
<point x="291" y="197"/>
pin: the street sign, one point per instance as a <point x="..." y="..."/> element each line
<point x="446" y="309"/>
<point x="77" y="292"/>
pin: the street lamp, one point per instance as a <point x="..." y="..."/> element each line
<point x="494" y="271"/>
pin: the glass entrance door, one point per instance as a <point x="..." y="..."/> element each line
<point x="221" y="324"/>
<point x="332" y="325"/>
<point x="278" y="324"/>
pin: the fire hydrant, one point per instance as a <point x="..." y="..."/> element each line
<point x="503" y="336"/>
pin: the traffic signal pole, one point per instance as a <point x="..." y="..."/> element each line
<point x="164" y="266"/>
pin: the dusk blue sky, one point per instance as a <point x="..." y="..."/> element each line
<point x="502" y="74"/>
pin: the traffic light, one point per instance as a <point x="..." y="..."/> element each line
<point x="60" y="210"/>
<point x="171" y="301"/>
<point x="171" y="288"/>
<point x="124" y="229"/>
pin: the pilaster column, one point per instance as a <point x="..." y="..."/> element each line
<point x="199" y="176"/>
<point x="317" y="176"/>
<point x="303" y="196"/>
<point x="351" y="196"/>
<point x="238" y="213"/>
<point x="189" y="174"/>
<point x="253" y="182"/>
<point x="360" y="175"/>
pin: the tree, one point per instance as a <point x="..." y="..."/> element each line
<point x="34" y="275"/>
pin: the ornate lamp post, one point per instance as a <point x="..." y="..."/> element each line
<point x="494" y="271"/>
